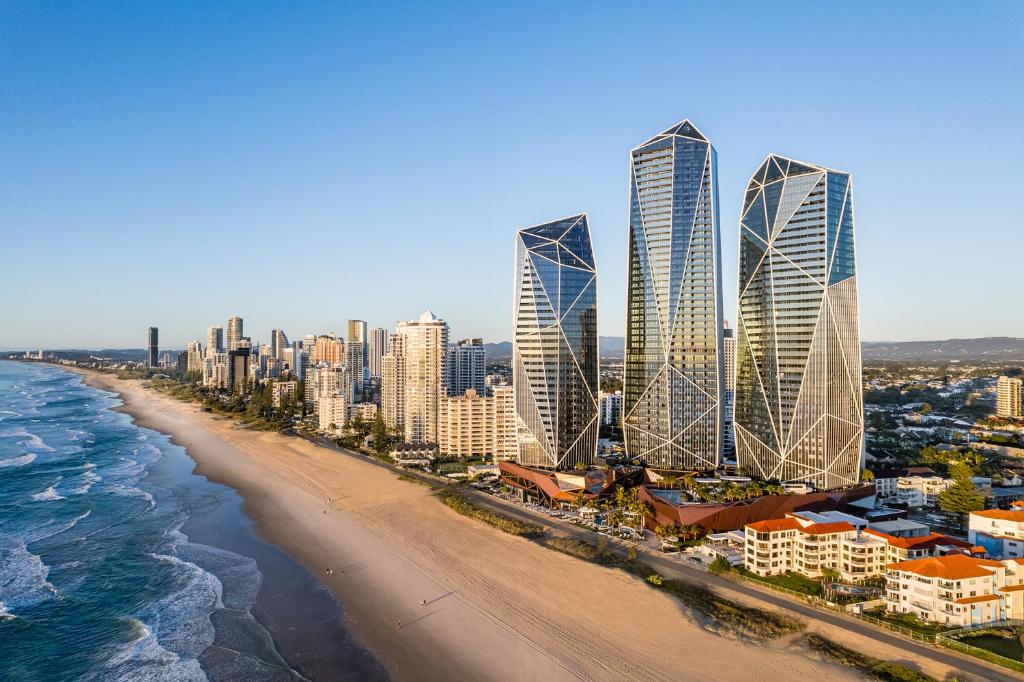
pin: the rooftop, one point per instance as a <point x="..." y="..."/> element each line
<point x="950" y="567"/>
<point x="1001" y="514"/>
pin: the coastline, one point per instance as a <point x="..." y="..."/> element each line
<point x="498" y="607"/>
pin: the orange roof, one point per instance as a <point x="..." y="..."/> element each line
<point x="920" y="542"/>
<point x="982" y="597"/>
<point x="1001" y="514"/>
<point x="949" y="567"/>
<point x="774" y="525"/>
<point x="826" y="528"/>
<point x="1012" y="588"/>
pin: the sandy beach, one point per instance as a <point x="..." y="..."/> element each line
<point x="497" y="607"/>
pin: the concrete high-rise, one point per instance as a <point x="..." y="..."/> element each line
<point x="672" y="388"/>
<point x="799" y="412"/>
<point x="378" y="347"/>
<point x="467" y="367"/>
<point x="278" y="342"/>
<point x="215" y="340"/>
<point x="329" y="350"/>
<point x="238" y="368"/>
<point x="555" y="356"/>
<point x="152" y="347"/>
<point x="234" y="332"/>
<point x="414" y="378"/>
<point x="1008" y="397"/>
<point x="195" y="356"/>
<point x="355" y="357"/>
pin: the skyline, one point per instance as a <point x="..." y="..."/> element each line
<point x="152" y="143"/>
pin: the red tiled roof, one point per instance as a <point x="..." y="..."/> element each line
<point x="774" y="525"/>
<point x="949" y="567"/>
<point x="920" y="542"/>
<point x="826" y="528"/>
<point x="981" y="597"/>
<point x="1012" y="588"/>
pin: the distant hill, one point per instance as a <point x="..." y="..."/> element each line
<point x="610" y="347"/>
<point x="989" y="349"/>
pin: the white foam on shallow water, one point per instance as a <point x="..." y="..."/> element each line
<point x="18" y="461"/>
<point x="181" y="620"/>
<point x="23" y="578"/>
<point x="88" y="479"/>
<point x="29" y="440"/>
<point x="52" y="528"/>
<point x="48" y="494"/>
<point x="144" y="659"/>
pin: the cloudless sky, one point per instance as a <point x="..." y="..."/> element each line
<point x="300" y="164"/>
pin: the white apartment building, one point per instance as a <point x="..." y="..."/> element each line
<point x="414" y="378"/>
<point x="999" y="531"/>
<point x="280" y="389"/>
<point x="1008" y="397"/>
<point x="474" y="426"/>
<point x="365" y="411"/>
<point x="330" y="381"/>
<point x="957" y="589"/>
<point x="195" y="357"/>
<point x="333" y="414"/>
<point x="920" y="491"/>
<point x="611" y="409"/>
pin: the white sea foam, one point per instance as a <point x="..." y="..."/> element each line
<point x="23" y="578"/>
<point x="29" y="440"/>
<point x="4" y="613"/>
<point x="52" y="528"/>
<point x="48" y="494"/>
<point x="88" y="479"/>
<point x="144" y="659"/>
<point x="18" y="461"/>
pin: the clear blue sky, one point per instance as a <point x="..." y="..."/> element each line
<point x="176" y="164"/>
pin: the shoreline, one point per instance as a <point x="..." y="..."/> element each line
<point x="499" y="607"/>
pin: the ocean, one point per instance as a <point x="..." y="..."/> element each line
<point x="118" y="563"/>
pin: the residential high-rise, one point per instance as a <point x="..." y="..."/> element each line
<point x="1008" y="397"/>
<point x="506" y="440"/>
<point x="152" y="347"/>
<point x="329" y="350"/>
<point x="234" y="332"/>
<point x="467" y="367"/>
<point x="278" y="342"/>
<point x="672" y="388"/>
<point x="555" y="356"/>
<point x="238" y="368"/>
<point x="611" y="409"/>
<point x="798" y="414"/>
<point x="355" y="357"/>
<point x="472" y="425"/>
<point x="378" y="347"/>
<point x="215" y="339"/>
<point x="299" y="361"/>
<point x="729" y="394"/>
<point x="414" y="377"/>
<point x="195" y="356"/>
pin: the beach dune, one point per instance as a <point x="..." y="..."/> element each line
<point x="497" y="607"/>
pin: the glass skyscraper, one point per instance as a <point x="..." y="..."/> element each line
<point x="798" y="412"/>
<point x="555" y="357"/>
<point x="672" y="393"/>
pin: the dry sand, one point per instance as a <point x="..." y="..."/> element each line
<point x="498" y="607"/>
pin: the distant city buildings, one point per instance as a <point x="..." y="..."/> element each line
<point x="152" y="347"/>
<point x="215" y="339"/>
<point x="329" y="350"/>
<point x="611" y="409"/>
<point x="278" y="343"/>
<point x="195" y="357"/>
<point x="673" y="363"/>
<point x="467" y="368"/>
<point x="799" y="414"/>
<point x="1008" y="397"/>
<point x="355" y="357"/>
<point x="555" y="354"/>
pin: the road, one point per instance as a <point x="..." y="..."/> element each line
<point x="671" y="568"/>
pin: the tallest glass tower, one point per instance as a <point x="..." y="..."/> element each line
<point x="673" y="375"/>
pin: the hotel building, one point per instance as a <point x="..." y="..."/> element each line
<point x="673" y="362"/>
<point x="152" y="347"/>
<point x="414" y="372"/>
<point x="799" y="414"/>
<point x="474" y="426"/>
<point x="467" y="368"/>
<point x="234" y="332"/>
<point x="555" y="355"/>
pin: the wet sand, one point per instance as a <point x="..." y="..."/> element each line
<point x="497" y="607"/>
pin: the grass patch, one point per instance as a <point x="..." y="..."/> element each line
<point x="907" y="621"/>
<point x="889" y="671"/>
<point x="1008" y="647"/>
<point x="790" y="581"/>
<point x="506" y="524"/>
<point x="746" y="621"/>
<point x="413" y="479"/>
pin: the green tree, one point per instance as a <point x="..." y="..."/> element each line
<point x="719" y="566"/>
<point x="381" y="440"/>
<point x="867" y="476"/>
<point x="962" y="496"/>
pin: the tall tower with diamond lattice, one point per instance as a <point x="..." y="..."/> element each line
<point x="798" y="411"/>
<point x="555" y="360"/>
<point x="672" y="392"/>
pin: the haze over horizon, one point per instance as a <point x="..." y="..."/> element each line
<point x="174" y="166"/>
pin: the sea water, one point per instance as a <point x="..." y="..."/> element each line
<point x="99" y="577"/>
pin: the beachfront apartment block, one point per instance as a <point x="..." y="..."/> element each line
<point x="809" y="547"/>
<point x="476" y="426"/>
<point x="333" y="412"/>
<point x="999" y="531"/>
<point x="1008" y="397"/>
<point x="920" y="491"/>
<point x="280" y="389"/>
<point x="957" y="589"/>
